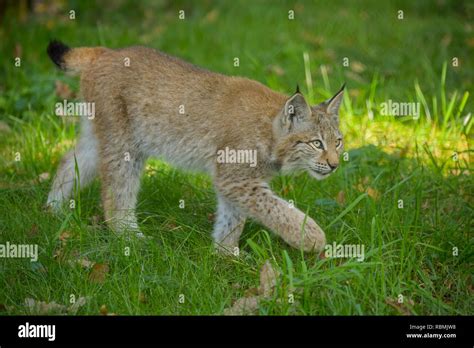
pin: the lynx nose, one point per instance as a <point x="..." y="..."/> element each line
<point x="333" y="166"/>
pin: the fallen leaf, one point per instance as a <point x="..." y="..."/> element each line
<point x="248" y="305"/>
<point x="251" y="292"/>
<point x="98" y="273"/>
<point x="243" y="306"/>
<point x="103" y="310"/>
<point x="64" y="236"/>
<point x="268" y="279"/>
<point x="373" y="193"/>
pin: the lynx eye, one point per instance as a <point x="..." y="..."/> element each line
<point x="317" y="144"/>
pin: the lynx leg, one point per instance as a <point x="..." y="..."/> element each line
<point x="257" y="200"/>
<point x="85" y="154"/>
<point x="228" y="226"/>
<point x="120" y="174"/>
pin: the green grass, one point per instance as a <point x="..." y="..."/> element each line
<point x="409" y="251"/>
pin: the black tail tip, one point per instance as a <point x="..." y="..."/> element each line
<point x="56" y="51"/>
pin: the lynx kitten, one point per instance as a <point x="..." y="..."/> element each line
<point x="239" y="131"/>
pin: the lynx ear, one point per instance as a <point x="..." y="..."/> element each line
<point x="296" y="109"/>
<point x="332" y="105"/>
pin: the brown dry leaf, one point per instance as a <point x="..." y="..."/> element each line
<point x="98" y="273"/>
<point x="268" y="279"/>
<point x="400" y="307"/>
<point x="243" y="306"/>
<point x="103" y="310"/>
<point x="341" y="198"/>
<point x="63" y="90"/>
<point x="373" y="193"/>
<point x="248" y="305"/>
<point x="251" y="292"/>
<point x="64" y="236"/>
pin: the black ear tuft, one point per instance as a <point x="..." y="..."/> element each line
<point x="56" y="51"/>
<point x="338" y="92"/>
<point x="333" y="104"/>
<point x="297" y="89"/>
